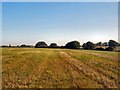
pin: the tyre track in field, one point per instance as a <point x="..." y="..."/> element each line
<point x="77" y="68"/>
<point x="58" y="73"/>
<point x="103" y="70"/>
<point x="29" y="80"/>
<point x="55" y="73"/>
<point x="71" y="72"/>
<point x="49" y="74"/>
<point x="38" y="78"/>
<point x="103" y="56"/>
<point x="88" y="71"/>
<point x="62" y="70"/>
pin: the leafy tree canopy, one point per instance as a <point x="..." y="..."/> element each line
<point x="73" y="45"/>
<point x="53" y="45"/>
<point x="41" y="44"/>
<point x="89" y="45"/>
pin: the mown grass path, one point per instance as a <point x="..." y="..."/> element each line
<point x="59" y="68"/>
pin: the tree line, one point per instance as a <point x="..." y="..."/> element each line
<point x="105" y="46"/>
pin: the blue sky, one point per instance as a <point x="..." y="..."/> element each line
<point x="59" y="22"/>
<point x="60" y="0"/>
<point x="0" y="23"/>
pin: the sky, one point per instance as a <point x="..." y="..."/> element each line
<point x="58" y="22"/>
<point x="60" y="0"/>
<point x="0" y="23"/>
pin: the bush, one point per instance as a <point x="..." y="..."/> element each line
<point x="110" y="49"/>
<point x="23" y="45"/>
<point x="101" y="49"/>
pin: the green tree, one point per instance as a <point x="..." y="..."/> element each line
<point x="53" y="45"/>
<point x="89" y="45"/>
<point x="73" y="45"/>
<point x="41" y="44"/>
<point x="99" y="44"/>
<point x="113" y="43"/>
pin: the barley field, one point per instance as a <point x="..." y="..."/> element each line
<point x="59" y="68"/>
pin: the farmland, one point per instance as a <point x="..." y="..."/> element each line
<point x="59" y="68"/>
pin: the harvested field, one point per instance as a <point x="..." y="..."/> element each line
<point x="59" y="68"/>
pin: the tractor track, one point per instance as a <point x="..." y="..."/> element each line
<point x="78" y="66"/>
<point x="57" y="69"/>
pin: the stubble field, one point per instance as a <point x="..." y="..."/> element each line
<point x="59" y="68"/>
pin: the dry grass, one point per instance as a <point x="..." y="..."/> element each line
<point x="59" y="68"/>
